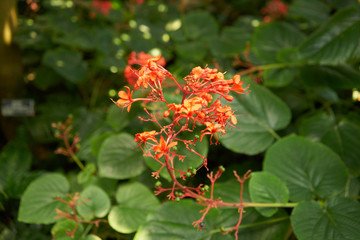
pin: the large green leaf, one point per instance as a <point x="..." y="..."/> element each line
<point x="97" y="203"/>
<point x="67" y="63"/>
<point x="336" y="40"/>
<point x="283" y="35"/>
<point x="119" y="157"/>
<point x="315" y="11"/>
<point x="341" y="137"/>
<point x="173" y="220"/>
<point x="15" y="161"/>
<point x="309" y="169"/>
<point x="337" y="220"/>
<point x="198" y="25"/>
<point x="136" y="202"/>
<point x="265" y="187"/>
<point x="260" y="113"/>
<point x="337" y="77"/>
<point x="38" y="204"/>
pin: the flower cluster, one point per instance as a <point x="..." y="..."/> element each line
<point x="140" y="58"/>
<point x="204" y="94"/>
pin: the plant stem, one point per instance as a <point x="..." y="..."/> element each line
<point x="77" y="161"/>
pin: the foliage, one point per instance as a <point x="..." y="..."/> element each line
<point x="75" y="170"/>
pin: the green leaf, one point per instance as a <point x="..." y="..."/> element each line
<point x="336" y="41"/>
<point x="343" y="139"/>
<point x="46" y="77"/>
<point x="199" y="25"/>
<point x="191" y="159"/>
<point x="232" y="41"/>
<point x="316" y="126"/>
<point x="314" y="11"/>
<point x="279" y="77"/>
<point x="283" y="35"/>
<point x="15" y="161"/>
<point x="98" y="204"/>
<point x="340" y="137"/>
<point x="173" y="220"/>
<point x="136" y="202"/>
<point x="265" y="187"/>
<point x="67" y="63"/>
<point x="60" y="230"/>
<point x="92" y="237"/>
<point x="337" y="77"/>
<point x="309" y="169"/>
<point x="38" y="204"/>
<point x="117" y="118"/>
<point x="337" y="220"/>
<point x="119" y="157"/>
<point x="191" y="50"/>
<point x="87" y="173"/>
<point x="260" y="113"/>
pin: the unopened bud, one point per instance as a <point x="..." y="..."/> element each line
<point x="166" y="114"/>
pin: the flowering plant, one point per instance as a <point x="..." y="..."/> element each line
<point x="201" y="105"/>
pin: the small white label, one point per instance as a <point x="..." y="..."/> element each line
<point x="17" y="107"/>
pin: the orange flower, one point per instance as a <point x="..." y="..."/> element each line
<point x="213" y="130"/>
<point x="237" y="85"/>
<point x="145" y="136"/>
<point x="125" y="99"/>
<point x="162" y="148"/>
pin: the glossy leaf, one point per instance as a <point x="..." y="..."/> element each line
<point x="337" y="219"/>
<point x="260" y="113"/>
<point x="283" y="35"/>
<point x="309" y="169"/>
<point x="38" y="204"/>
<point x="119" y="157"/>
<point x="336" y="41"/>
<point x="265" y="187"/>
<point x="314" y="11"/>
<point x="136" y="202"/>
<point x="336" y="77"/>
<point x="67" y="63"/>
<point x="343" y="139"/>
<point x="97" y="203"/>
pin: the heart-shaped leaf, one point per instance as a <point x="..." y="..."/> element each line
<point x="309" y="169"/>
